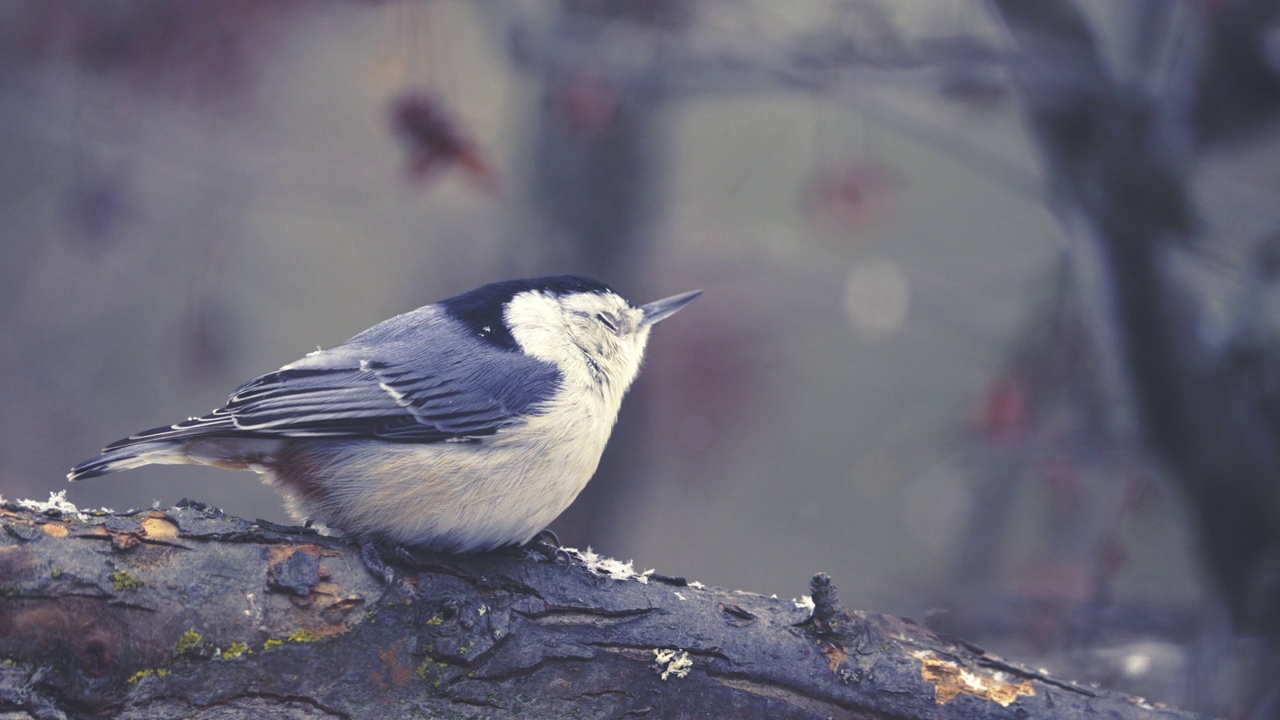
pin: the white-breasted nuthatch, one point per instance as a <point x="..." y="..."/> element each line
<point x="461" y="426"/>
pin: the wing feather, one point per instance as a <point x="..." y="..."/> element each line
<point x="395" y="392"/>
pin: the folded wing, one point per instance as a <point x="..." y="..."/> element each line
<point x="397" y="393"/>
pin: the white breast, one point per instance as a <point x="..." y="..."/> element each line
<point x="461" y="497"/>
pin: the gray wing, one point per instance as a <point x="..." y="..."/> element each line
<point x="399" y="392"/>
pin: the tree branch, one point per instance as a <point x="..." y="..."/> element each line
<point x="188" y="612"/>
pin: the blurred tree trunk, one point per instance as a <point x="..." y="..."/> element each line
<point x="597" y="160"/>
<point x="190" y="613"/>
<point x="1120" y="142"/>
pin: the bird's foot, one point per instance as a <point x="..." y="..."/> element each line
<point x="376" y="563"/>
<point x="548" y="546"/>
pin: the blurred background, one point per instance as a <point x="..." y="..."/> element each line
<point x="990" y="325"/>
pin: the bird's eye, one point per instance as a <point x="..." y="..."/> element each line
<point x="608" y="322"/>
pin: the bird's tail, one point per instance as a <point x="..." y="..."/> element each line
<point x="128" y="457"/>
<point x="168" y="445"/>
<point x="244" y="451"/>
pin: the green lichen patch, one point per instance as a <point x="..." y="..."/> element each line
<point x="235" y="651"/>
<point x="124" y="582"/>
<point x="190" y="640"/>
<point x="141" y="674"/>
<point x="303" y="635"/>
<point x="432" y="671"/>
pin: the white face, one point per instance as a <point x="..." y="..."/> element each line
<point x="594" y="339"/>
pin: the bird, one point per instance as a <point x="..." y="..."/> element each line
<point x="463" y="426"/>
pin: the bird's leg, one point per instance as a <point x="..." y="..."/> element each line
<point x="374" y="563"/>
<point x="377" y="566"/>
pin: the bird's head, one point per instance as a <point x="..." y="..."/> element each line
<point x="591" y="333"/>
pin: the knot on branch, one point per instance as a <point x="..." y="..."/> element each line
<point x="826" y="598"/>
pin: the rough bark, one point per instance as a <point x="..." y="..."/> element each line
<point x="188" y="612"/>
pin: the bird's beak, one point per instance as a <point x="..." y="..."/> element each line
<point x="663" y="309"/>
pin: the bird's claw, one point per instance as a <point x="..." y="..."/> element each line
<point x="547" y="545"/>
